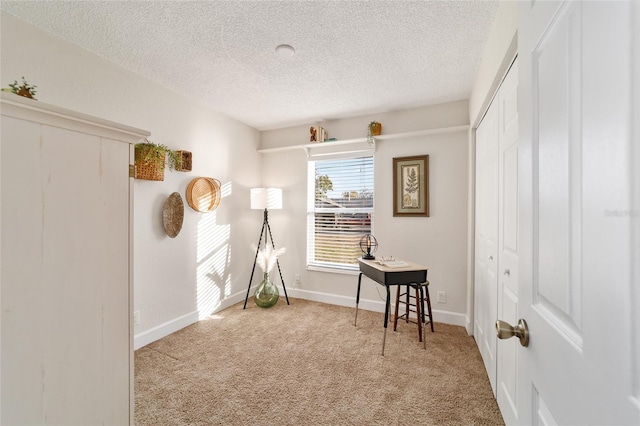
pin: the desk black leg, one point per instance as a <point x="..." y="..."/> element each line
<point x="386" y="317"/>
<point x="357" y="299"/>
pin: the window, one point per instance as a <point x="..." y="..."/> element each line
<point x="340" y="210"/>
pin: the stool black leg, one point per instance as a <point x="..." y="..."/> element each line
<point x="408" y="304"/>
<point x="419" y="310"/>
<point x="426" y="289"/>
<point x="424" y="325"/>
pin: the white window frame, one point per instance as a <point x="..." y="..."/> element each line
<point x="313" y="264"/>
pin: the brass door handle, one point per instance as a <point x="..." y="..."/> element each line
<point x="506" y="331"/>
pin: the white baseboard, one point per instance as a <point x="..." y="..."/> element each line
<point x="446" y="317"/>
<point x="163" y="330"/>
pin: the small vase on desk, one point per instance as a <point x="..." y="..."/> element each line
<point x="266" y="294"/>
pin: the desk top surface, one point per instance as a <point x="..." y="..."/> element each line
<point x="376" y="264"/>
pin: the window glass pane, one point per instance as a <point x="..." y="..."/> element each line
<point x="341" y="211"/>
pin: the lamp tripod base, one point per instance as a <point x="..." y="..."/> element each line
<point x="266" y="231"/>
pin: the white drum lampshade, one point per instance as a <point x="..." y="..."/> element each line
<point x="266" y="198"/>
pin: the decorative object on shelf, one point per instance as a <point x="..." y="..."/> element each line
<point x="318" y="134"/>
<point x="265" y="199"/>
<point x="25" y="89"/>
<point x="151" y="159"/>
<point x="368" y="246"/>
<point x="373" y="129"/>
<point x="173" y="215"/>
<point x="267" y="294"/>
<point x="184" y="161"/>
<point x="411" y="186"/>
<point x="204" y="194"/>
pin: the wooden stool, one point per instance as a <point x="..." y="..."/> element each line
<point x="417" y="302"/>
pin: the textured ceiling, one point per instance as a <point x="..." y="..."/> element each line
<point x="352" y="58"/>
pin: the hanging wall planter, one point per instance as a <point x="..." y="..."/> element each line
<point x="151" y="159"/>
<point x="184" y="161"/>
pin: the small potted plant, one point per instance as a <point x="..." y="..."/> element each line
<point x="373" y="129"/>
<point x="151" y="159"/>
<point x="25" y="89"/>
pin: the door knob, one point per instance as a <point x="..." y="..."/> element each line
<point x="490" y="257"/>
<point x="507" y="272"/>
<point x="506" y="331"/>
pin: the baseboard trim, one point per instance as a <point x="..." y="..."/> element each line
<point x="163" y="330"/>
<point x="446" y="317"/>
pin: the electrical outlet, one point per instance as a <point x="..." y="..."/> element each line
<point x="442" y="297"/>
<point x="136" y="317"/>
<point x="297" y="280"/>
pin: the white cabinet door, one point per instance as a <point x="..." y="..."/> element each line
<point x="577" y="288"/>
<point x="66" y="330"/>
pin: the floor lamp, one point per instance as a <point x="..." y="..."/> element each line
<point x="265" y="198"/>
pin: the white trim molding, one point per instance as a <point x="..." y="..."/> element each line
<point x="446" y="317"/>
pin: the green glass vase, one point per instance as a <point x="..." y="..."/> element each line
<point x="266" y="294"/>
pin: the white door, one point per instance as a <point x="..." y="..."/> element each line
<point x="579" y="213"/>
<point x="507" y="291"/>
<point x="486" y="259"/>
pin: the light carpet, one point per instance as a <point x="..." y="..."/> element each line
<point x="306" y="364"/>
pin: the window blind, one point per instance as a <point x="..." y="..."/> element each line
<point x="339" y="210"/>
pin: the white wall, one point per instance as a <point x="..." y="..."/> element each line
<point x="438" y="241"/>
<point x="175" y="280"/>
<point x="499" y="52"/>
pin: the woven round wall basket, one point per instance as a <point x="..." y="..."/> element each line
<point x="173" y="215"/>
<point x="203" y="194"/>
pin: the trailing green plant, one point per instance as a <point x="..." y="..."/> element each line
<point x="370" y="131"/>
<point x="154" y="154"/>
<point x="25" y="89"/>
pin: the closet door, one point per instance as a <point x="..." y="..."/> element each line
<point x="506" y="371"/>
<point x="496" y="259"/>
<point x="486" y="239"/>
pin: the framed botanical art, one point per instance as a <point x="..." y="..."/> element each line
<point x="411" y="186"/>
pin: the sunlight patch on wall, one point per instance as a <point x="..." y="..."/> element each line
<point x="213" y="258"/>
<point x="226" y="189"/>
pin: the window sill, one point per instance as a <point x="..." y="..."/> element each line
<point x="332" y="270"/>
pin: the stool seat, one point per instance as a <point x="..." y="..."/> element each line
<point x="414" y="304"/>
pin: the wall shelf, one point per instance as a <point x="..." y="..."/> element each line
<point x="391" y="136"/>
